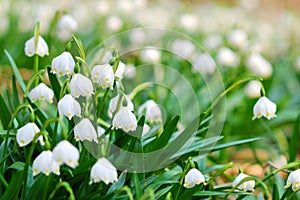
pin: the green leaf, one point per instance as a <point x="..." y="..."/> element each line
<point x="17" y="165"/>
<point x="293" y="148"/>
<point x="117" y="185"/>
<point x="54" y="83"/>
<point x="15" y="96"/>
<point x="217" y="193"/>
<point x="137" y="185"/>
<point x="275" y="193"/>
<point x="234" y="143"/>
<point x="16" y="71"/>
<point x="14" y="186"/>
<point x="5" y="116"/>
<point x="164" y="137"/>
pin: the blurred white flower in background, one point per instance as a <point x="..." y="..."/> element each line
<point x="151" y="110"/>
<point x="63" y="64"/>
<point x="238" y="38"/>
<point x="294" y="180"/>
<point x="114" y="23"/>
<point x="120" y="70"/>
<point x="41" y="92"/>
<point x="264" y="107"/>
<point x="125" y="120"/>
<point x="103" y="75"/>
<point x="212" y="41"/>
<point x="183" y="48"/>
<point x="259" y="66"/>
<point x="130" y="71"/>
<point x="85" y="130"/>
<point x="253" y="88"/>
<point x="114" y="101"/>
<point x="204" y="63"/>
<point x="26" y="134"/>
<point x="81" y="86"/>
<point x="104" y="171"/>
<point x="69" y="107"/>
<point x="245" y="186"/>
<point x="45" y="163"/>
<point x="226" y="57"/>
<point x="137" y="36"/>
<point x="66" y="26"/>
<point x="150" y="54"/>
<point x="189" y="22"/>
<point x="40" y="49"/>
<point x="192" y="178"/>
<point x="65" y="153"/>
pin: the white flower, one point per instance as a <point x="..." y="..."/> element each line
<point x="294" y="180"/>
<point x="227" y="57"/>
<point x="125" y="120"/>
<point x="26" y="133"/>
<point x="153" y="112"/>
<point x="85" y="130"/>
<point x="103" y="75"/>
<point x="81" y="85"/>
<point x="65" y="153"/>
<point x="212" y="41"/>
<point x="238" y="38"/>
<point x="41" y="49"/>
<point x="66" y="26"/>
<point x="130" y="71"/>
<point x="104" y="171"/>
<point x="120" y="70"/>
<point x="69" y="107"/>
<point x="114" y="23"/>
<point x="253" y="89"/>
<point x="114" y="101"/>
<point x="189" y="22"/>
<point x="183" y="48"/>
<point x="204" y="63"/>
<point x="41" y="92"/>
<point x="150" y="54"/>
<point x="264" y="107"/>
<point x="45" y="163"/>
<point x="192" y="178"/>
<point x="245" y="186"/>
<point x="63" y="64"/>
<point x="259" y="66"/>
<point x="100" y="131"/>
<point x="137" y="36"/>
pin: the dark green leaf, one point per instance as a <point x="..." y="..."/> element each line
<point x="293" y="148"/>
<point x="17" y="165"/>
<point x="15" y="96"/>
<point x="117" y="185"/>
<point x="54" y="83"/>
<point x="14" y="186"/>
<point x="5" y="116"/>
<point x="16" y="71"/>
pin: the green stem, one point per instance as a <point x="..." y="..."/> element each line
<point x="233" y="86"/>
<point x="101" y="104"/>
<point x="140" y="88"/>
<point x="56" y="119"/>
<point x="3" y="181"/>
<point x="36" y="68"/>
<point x="128" y="192"/>
<point x="186" y="169"/>
<point x="33" y="79"/>
<point x="67" y="186"/>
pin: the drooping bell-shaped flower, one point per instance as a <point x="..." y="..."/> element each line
<point x="104" y="171"/>
<point x="192" y="178"/>
<point x="212" y="41"/>
<point x="63" y="64"/>
<point x="245" y="186"/>
<point x="238" y="38"/>
<point x="44" y="163"/>
<point x="69" y="107"/>
<point x="41" y="49"/>
<point x="66" y="26"/>
<point x="152" y="111"/>
<point x="41" y="92"/>
<point x="264" y="107"/>
<point x="204" y="63"/>
<point x="125" y="120"/>
<point x="120" y="70"/>
<point x="114" y="101"/>
<point x="103" y="75"/>
<point x="226" y="57"/>
<point x="294" y="180"/>
<point x="65" y="153"/>
<point x="100" y="131"/>
<point x="85" y="130"/>
<point x="259" y="66"/>
<point x="26" y="133"/>
<point x="81" y="85"/>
